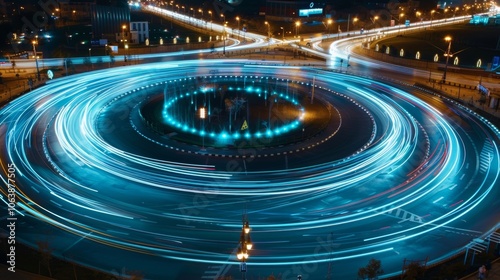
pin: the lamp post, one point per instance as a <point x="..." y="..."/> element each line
<point x="36" y="57"/>
<point x="224" y="37"/>
<point x="329" y="24"/>
<point x="245" y="245"/>
<point x="399" y="21"/>
<point x="447" y="54"/>
<point x="210" y="12"/>
<point x="297" y="25"/>
<point x="90" y="58"/>
<point x="203" y="115"/>
<point x="238" y="20"/>
<point x="432" y="16"/>
<point x="282" y="33"/>
<point x="268" y="35"/>
<point x="374" y="21"/>
<point x="126" y="55"/>
<point x="124" y="27"/>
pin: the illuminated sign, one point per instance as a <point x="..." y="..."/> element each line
<point x="308" y="12"/>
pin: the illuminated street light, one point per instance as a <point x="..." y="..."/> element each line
<point x="297" y="25"/>
<point x="203" y="115"/>
<point x="210" y="12"/>
<point x="447" y="54"/>
<point x="224" y="37"/>
<point x="399" y="21"/>
<point x="124" y="27"/>
<point x="432" y="16"/>
<point x="35" y="42"/>
<point x="126" y="55"/>
<point x="268" y="35"/>
<point x="354" y="20"/>
<point x="374" y="20"/>
<point x="245" y="245"/>
<point x="238" y="20"/>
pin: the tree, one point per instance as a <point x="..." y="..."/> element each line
<point x="414" y="271"/>
<point x="371" y="271"/>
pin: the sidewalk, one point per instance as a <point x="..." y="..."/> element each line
<point x="19" y="274"/>
<point x="493" y="274"/>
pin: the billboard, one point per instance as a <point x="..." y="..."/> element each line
<point x="308" y="12"/>
<point x="312" y="9"/>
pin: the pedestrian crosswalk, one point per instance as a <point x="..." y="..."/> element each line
<point x="403" y="215"/>
<point x="485" y="157"/>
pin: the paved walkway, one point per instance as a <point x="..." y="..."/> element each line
<point x="493" y="274"/>
<point x="19" y="274"/>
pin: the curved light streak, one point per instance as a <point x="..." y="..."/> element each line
<point x="59" y="128"/>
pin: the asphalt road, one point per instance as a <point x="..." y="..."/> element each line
<point x="409" y="183"/>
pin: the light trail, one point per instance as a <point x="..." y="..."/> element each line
<point x="75" y="143"/>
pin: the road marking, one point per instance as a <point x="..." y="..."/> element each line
<point x="437" y="200"/>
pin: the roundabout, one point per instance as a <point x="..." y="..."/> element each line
<point x="151" y="167"/>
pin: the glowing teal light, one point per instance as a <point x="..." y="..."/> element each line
<point x="170" y="119"/>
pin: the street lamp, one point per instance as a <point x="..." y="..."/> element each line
<point x="90" y="58"/>
<point x="203" y="115"/>
<point x="238" y="20"/>
<point x="447" y="54"/>
<point x="399" y="21"/>
<point x="126" y="55"/>
<point x="124" y="27"/>
<point x="432" y="16"/>
<point x="268" y="35"/>
<point x="245" y="245"/>
<point x="210" y="12"/>
<point x="282" y="33"/>
<point x="224" y="37"/>
<point x="297" y="25"/>
<point x="36" y="57"/>
<point x="329" y="24"/>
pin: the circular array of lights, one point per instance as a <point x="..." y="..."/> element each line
<point x="256" y="90"/>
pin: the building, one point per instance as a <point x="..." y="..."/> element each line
<point x="139" y="32"/>
<point x="279" y="10"/>
<point x="112" y="23"/>
<point x="75" y="11"/>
